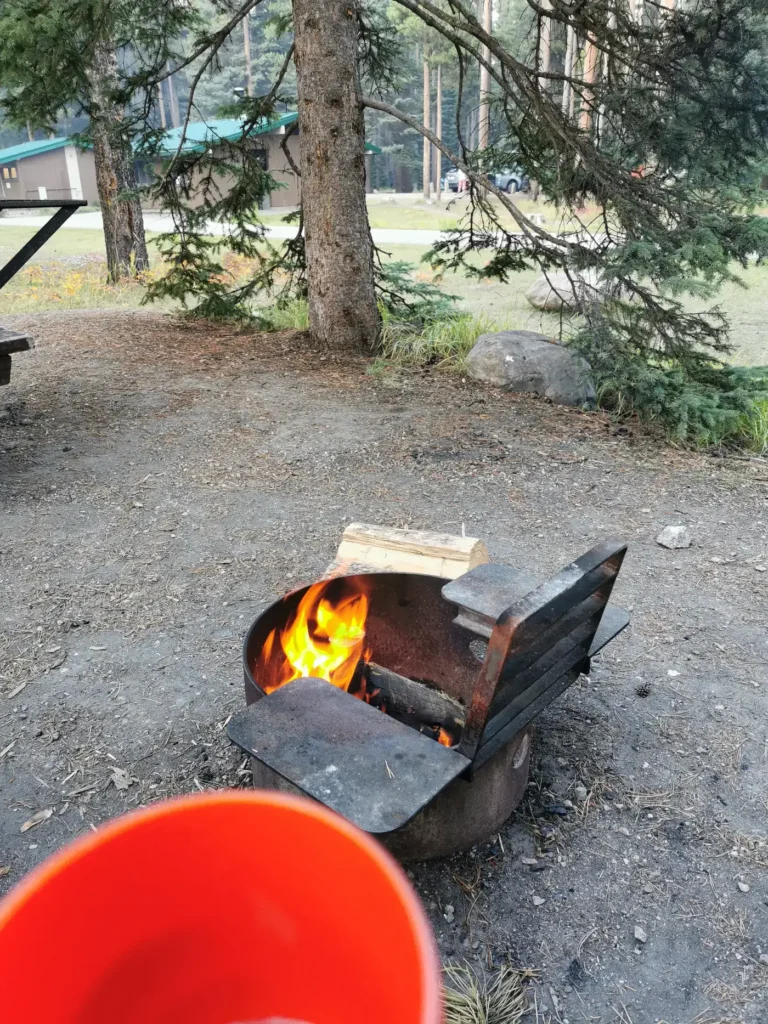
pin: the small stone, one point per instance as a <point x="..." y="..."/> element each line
<point x="558" y="809"/>
<point x="530" y="861"/>
<point x="538" y="901"/>
<point x="672" y="672"/>
<point x="760" y="568"/>
<point x="449" y="913"/>
<point x="625" y="831"/>
<point x="763" y="959"/>
<point x="742" y="887"/>
<point x="648" y="888"/>
<point x="25" y="421"/>
<point x="640" y="934"/>
<point x="120" y="779"/>
<point x="568" y="804"/>
<point x="580" y="792"/>
<point x="674" y="537"/>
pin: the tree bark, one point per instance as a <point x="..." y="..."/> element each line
<point x="122" y="218"/>
<point x="342" y="302"/>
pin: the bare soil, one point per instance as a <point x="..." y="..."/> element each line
<point x="160" y="481"/>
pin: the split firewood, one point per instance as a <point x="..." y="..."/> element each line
<point x="366" y="548"/>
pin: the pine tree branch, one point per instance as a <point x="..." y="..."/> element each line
<point x="216" y="39"/>
<point x="284" y="146"/>
<point x="221" y="37"/>
<point x="529" y="228"/>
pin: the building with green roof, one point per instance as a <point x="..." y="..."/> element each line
<point x="59" y="169"/>
<point x="47" y="169"/>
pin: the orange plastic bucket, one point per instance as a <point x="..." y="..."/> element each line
<point x="227" y="908"/>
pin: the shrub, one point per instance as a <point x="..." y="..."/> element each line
<point x="698" y="402"/>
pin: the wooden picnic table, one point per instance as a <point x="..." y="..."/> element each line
<point x="12" y="341"/>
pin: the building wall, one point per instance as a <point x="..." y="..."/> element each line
<point x="10" y="188"/>
<point x="47" y="170"/>
<point x="87" y="167"/>
<point x="278" y="166"/>
<point x="280" y="170"/>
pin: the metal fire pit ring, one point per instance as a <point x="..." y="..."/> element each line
<point x="383" y="772"/>
<point x="464" y="813"/>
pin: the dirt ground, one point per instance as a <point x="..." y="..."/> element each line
<point x="160" y="482"/>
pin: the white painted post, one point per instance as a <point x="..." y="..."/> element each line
<point x="73" y="173"/>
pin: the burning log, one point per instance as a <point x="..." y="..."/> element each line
<point x="415" y="701"/>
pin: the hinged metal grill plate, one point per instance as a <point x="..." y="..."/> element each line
<point x="370" y="768"/>
<point x="483" y="593"/>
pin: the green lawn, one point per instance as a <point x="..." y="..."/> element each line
<point x="66" y="242"/>
<point x="68" y="272"/>
<point x="413" y="213"/>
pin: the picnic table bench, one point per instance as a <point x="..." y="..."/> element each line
<point x="12" y="341"/>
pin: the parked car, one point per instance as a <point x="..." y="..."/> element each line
<point x="513" y="180"/>
<point x="451" y="180"/>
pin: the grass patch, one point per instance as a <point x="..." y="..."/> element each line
<point x="290" y="316"/>
<point x="446" y="340"/>
<point x="752" y="432"/>
<point x="471" y="999"/>
<point x="505" y="303"/>
<point x="58" y="285"/>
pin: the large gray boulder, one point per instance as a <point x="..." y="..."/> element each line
<point x="526" y="361"/>
<point x="558" y="292"/>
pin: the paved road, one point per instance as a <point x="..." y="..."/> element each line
<point x="160" y="222"/>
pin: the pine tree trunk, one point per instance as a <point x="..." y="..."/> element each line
<point x="122" y="218"/>
<point x="339" y="251"/>
<point x="485" y="83"/>
<point x="569" y="63"/>
<point x="161" y="105"/>
<point x="247" y="56"/>
<point x="426" y="150"/>
<point x="438" y="129"/>
<point x="174" y="101"/>
<point x="545" y="43"/>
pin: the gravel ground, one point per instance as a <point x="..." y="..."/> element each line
<point x="160" y="481"/>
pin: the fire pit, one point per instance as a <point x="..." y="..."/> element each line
<point x="404" y="701"/>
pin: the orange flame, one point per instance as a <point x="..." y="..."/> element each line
<point x="444" y="738"/>
<point x="323" y="639"/>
